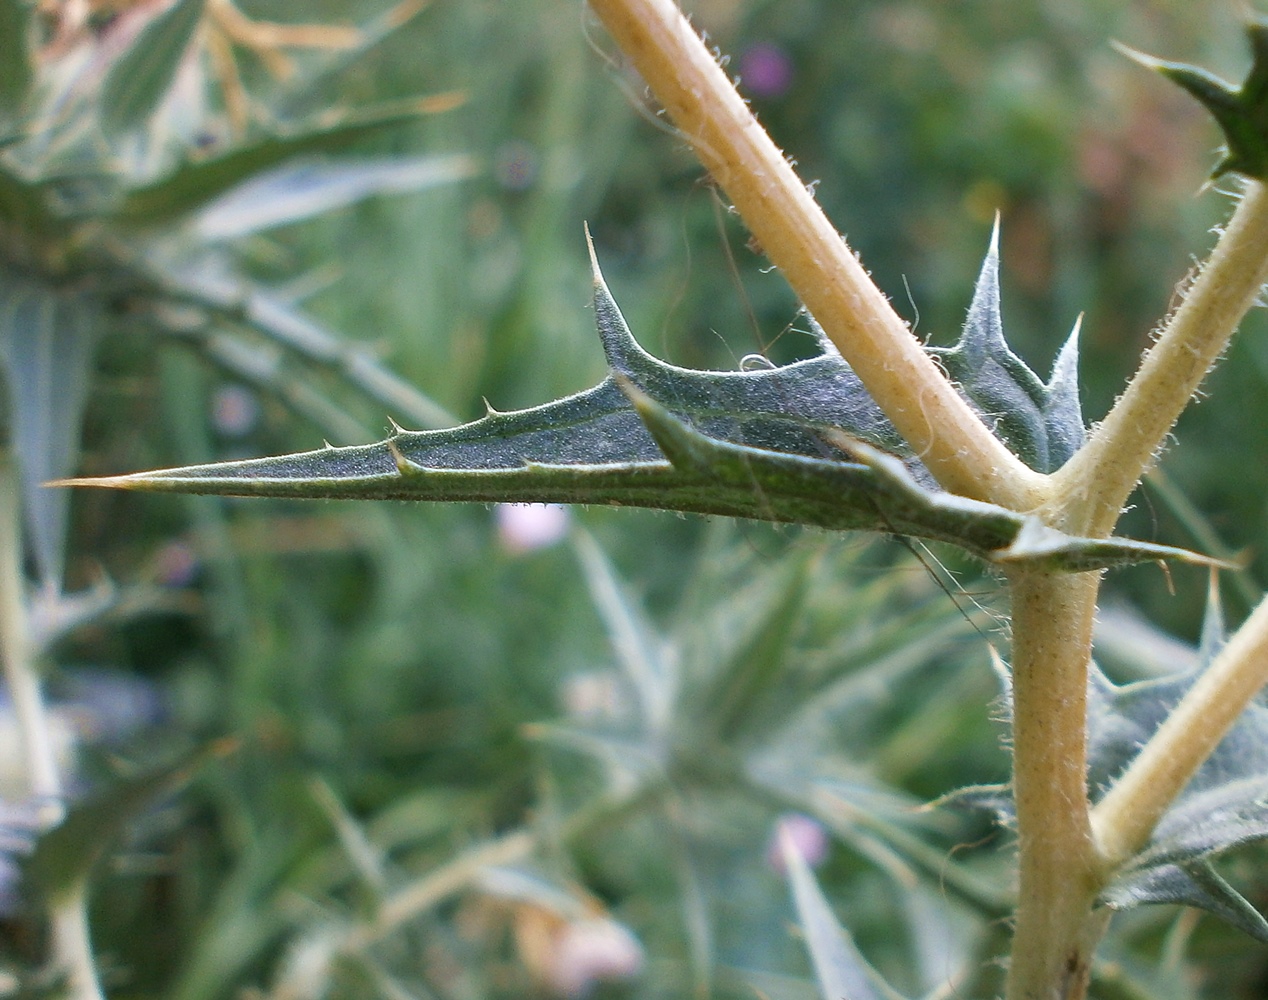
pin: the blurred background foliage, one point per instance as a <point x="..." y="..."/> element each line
<point x="414" y="685"/>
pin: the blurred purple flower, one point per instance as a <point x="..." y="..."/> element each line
<point x="808" y="836"/>
<point x="516" y="165"/>
<point x="766" y="70"/>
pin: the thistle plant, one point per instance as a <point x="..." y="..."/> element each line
<point x="1119" y="797"/>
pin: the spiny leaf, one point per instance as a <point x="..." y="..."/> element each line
<point x="1193" y="882"/>
<point x="1042" y="424"/>
<point x="1241" y="112"/>
<point x="794" y="444"/>
<point x="1224" y="805"/>
<point x="141" y="78"/>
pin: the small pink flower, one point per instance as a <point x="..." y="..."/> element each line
<point x="592" y="951"/>
<point x="807" y="835"/>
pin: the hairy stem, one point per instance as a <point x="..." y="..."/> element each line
<point x="794" y="233"/>
<point x="70" y="944"/>
<point x="1128" y="813"/>
<point x="1058" y="866"/>
<point x="1090" y="490"/>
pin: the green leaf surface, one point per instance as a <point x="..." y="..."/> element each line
<point x="15" y="59"/>
<point x="1240" y="111"/>
<point x="795" y="444"/>
<point x="140" y="79"/>
<point x="23" y="204"/>
<point x="65" y="855"/>
<point x="297" y="191"/>
<point x="47" y="340"/>
<point x="640" y="650"/>
<point x="199" y="180"/>
<point x="839" y="968"/>
<point x="1042" y="424"/>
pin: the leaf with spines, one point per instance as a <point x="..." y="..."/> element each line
<point x="1041" y="424"/>
<point x="1241" y="112"/>
<point x="802" y="443"/>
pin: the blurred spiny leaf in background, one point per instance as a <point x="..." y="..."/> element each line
<point x="133" y="160"/>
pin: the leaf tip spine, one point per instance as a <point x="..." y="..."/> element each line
<point x="100" y="482"/>
<point x="594" y="257"/>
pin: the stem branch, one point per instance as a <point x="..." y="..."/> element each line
<point x="960" y="451"/>
<point x="1126" y="816"/>
<point x="1090" y="490"/>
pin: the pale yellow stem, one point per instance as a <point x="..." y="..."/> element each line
<point x="1058" y="867"/>
<point x="960" y="451"/>
<point x="1090" y="490"/>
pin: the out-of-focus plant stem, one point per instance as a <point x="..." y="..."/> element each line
<point x="70" y="944"/>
